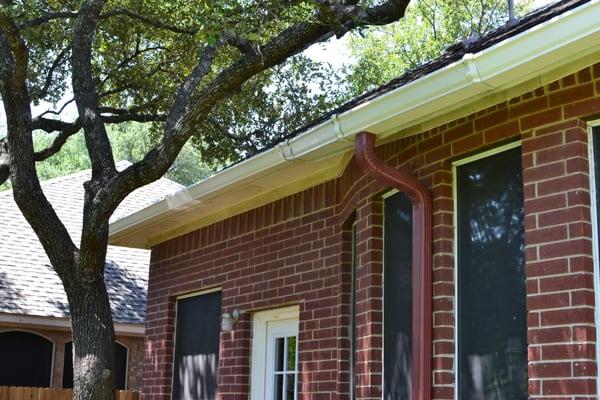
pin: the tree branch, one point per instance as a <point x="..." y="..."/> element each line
<point x="47" y="18"/>
<point x="149" y="21"/>
<point x="66" y="130"/>
<point x="182" y="99"/>
<point x="49" y="76"/>
<point x="18" y="150"/>
<point x="189" y="110"/>
<point x="96" y="138"/>
<point x="243" y="45"/>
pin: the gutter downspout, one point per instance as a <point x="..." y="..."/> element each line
<point x="421" y="257"/>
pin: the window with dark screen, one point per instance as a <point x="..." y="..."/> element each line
<point x="491" y="311"/>
<point x="596" y="143"/>
<point x="27" y="359"/>
<point x="397" y="298"/>
<point x="120" y="377"/>
<point x="196" y="356"/>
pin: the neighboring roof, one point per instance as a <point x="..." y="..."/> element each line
<point x="28" y="284"/>
<point x="548" y="44"/>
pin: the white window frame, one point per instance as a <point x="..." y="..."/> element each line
<point x="258" y="370"/>
<point x="455" y="164"/>
<point x="595" y="229"/>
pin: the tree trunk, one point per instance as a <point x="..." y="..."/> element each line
<point x="93" y="338"/>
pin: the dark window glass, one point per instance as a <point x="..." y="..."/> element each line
<point x="120" y="378"/>
<point x="397" y="298"/>
<point x="290" y="390"/>
<point x="492" y="328"/>
<point x="27" y="359"/>
<point x="197" y="347"/>
<point x="278" y="387"/>
<point x="279" y="353"/>
<point x="596" y="141"/>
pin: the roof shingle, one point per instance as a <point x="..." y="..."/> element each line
<point x="29" y="285"/>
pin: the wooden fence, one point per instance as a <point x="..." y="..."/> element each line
<point x="29" y="393"/>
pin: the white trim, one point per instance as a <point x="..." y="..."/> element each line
<point x="389" y="193"/>
<point x="52" y="360"/>
<point x="455" y="164"/>
<point x="121" y="328"/>
<point x="258" y="358"/>
<point x="516" y="65"/>
<point x="595" y="228"/>
<point x="486" y="153"/>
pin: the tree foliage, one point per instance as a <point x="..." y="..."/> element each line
<point x="427" y="29"/>
<point x="130" y="142"/>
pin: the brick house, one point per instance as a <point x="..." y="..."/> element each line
<point x="35" y="330"/>
<point x="456" y="260"/>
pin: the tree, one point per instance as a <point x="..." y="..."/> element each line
<point x="428" y="28"/>
<point x="174" y="64"/>
<point x="130" y="142"/>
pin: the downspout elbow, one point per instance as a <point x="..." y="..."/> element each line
<point x="374" y="167"/>
<point x="422" y="316"/>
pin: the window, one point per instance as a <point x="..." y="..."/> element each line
<point x="275" y="355"/>
<point x="595" y="192"/>
<point x="27" y="359"/>
<point x="491" y="311"/>
<point x="120" y="377"/>
<point x="284" y="370"/>
<point x="196" y="358"/>
<point x="397" y="298"/>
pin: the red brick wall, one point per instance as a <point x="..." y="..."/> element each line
<point x="135" y="346"/>
<point x="295" y="250"/>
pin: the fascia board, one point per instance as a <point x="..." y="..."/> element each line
<point x="15" y="320"/>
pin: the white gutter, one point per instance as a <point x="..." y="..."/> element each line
<point x="126" y="329"/>
<point x="536" y="56"/>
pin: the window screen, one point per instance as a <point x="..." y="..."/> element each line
<point x="26" y="359"/>
<point x="397" y="298"/>
<point x="197" y="347"/>
<point x="596" y="141"/>
<point x="492" y="328"/>
<point x="120" y="377"/>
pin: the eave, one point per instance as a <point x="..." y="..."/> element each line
<point x="62" y="324"/>
<point x="531" y="59"/>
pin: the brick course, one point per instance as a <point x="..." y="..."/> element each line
<point x="296" y="250"/>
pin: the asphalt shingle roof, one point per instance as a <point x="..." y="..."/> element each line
<point x="29" y="285"/>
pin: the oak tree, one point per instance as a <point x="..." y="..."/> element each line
<point x="174" y="64"/>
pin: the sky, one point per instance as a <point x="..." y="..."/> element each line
<point x="334" y="51"/>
